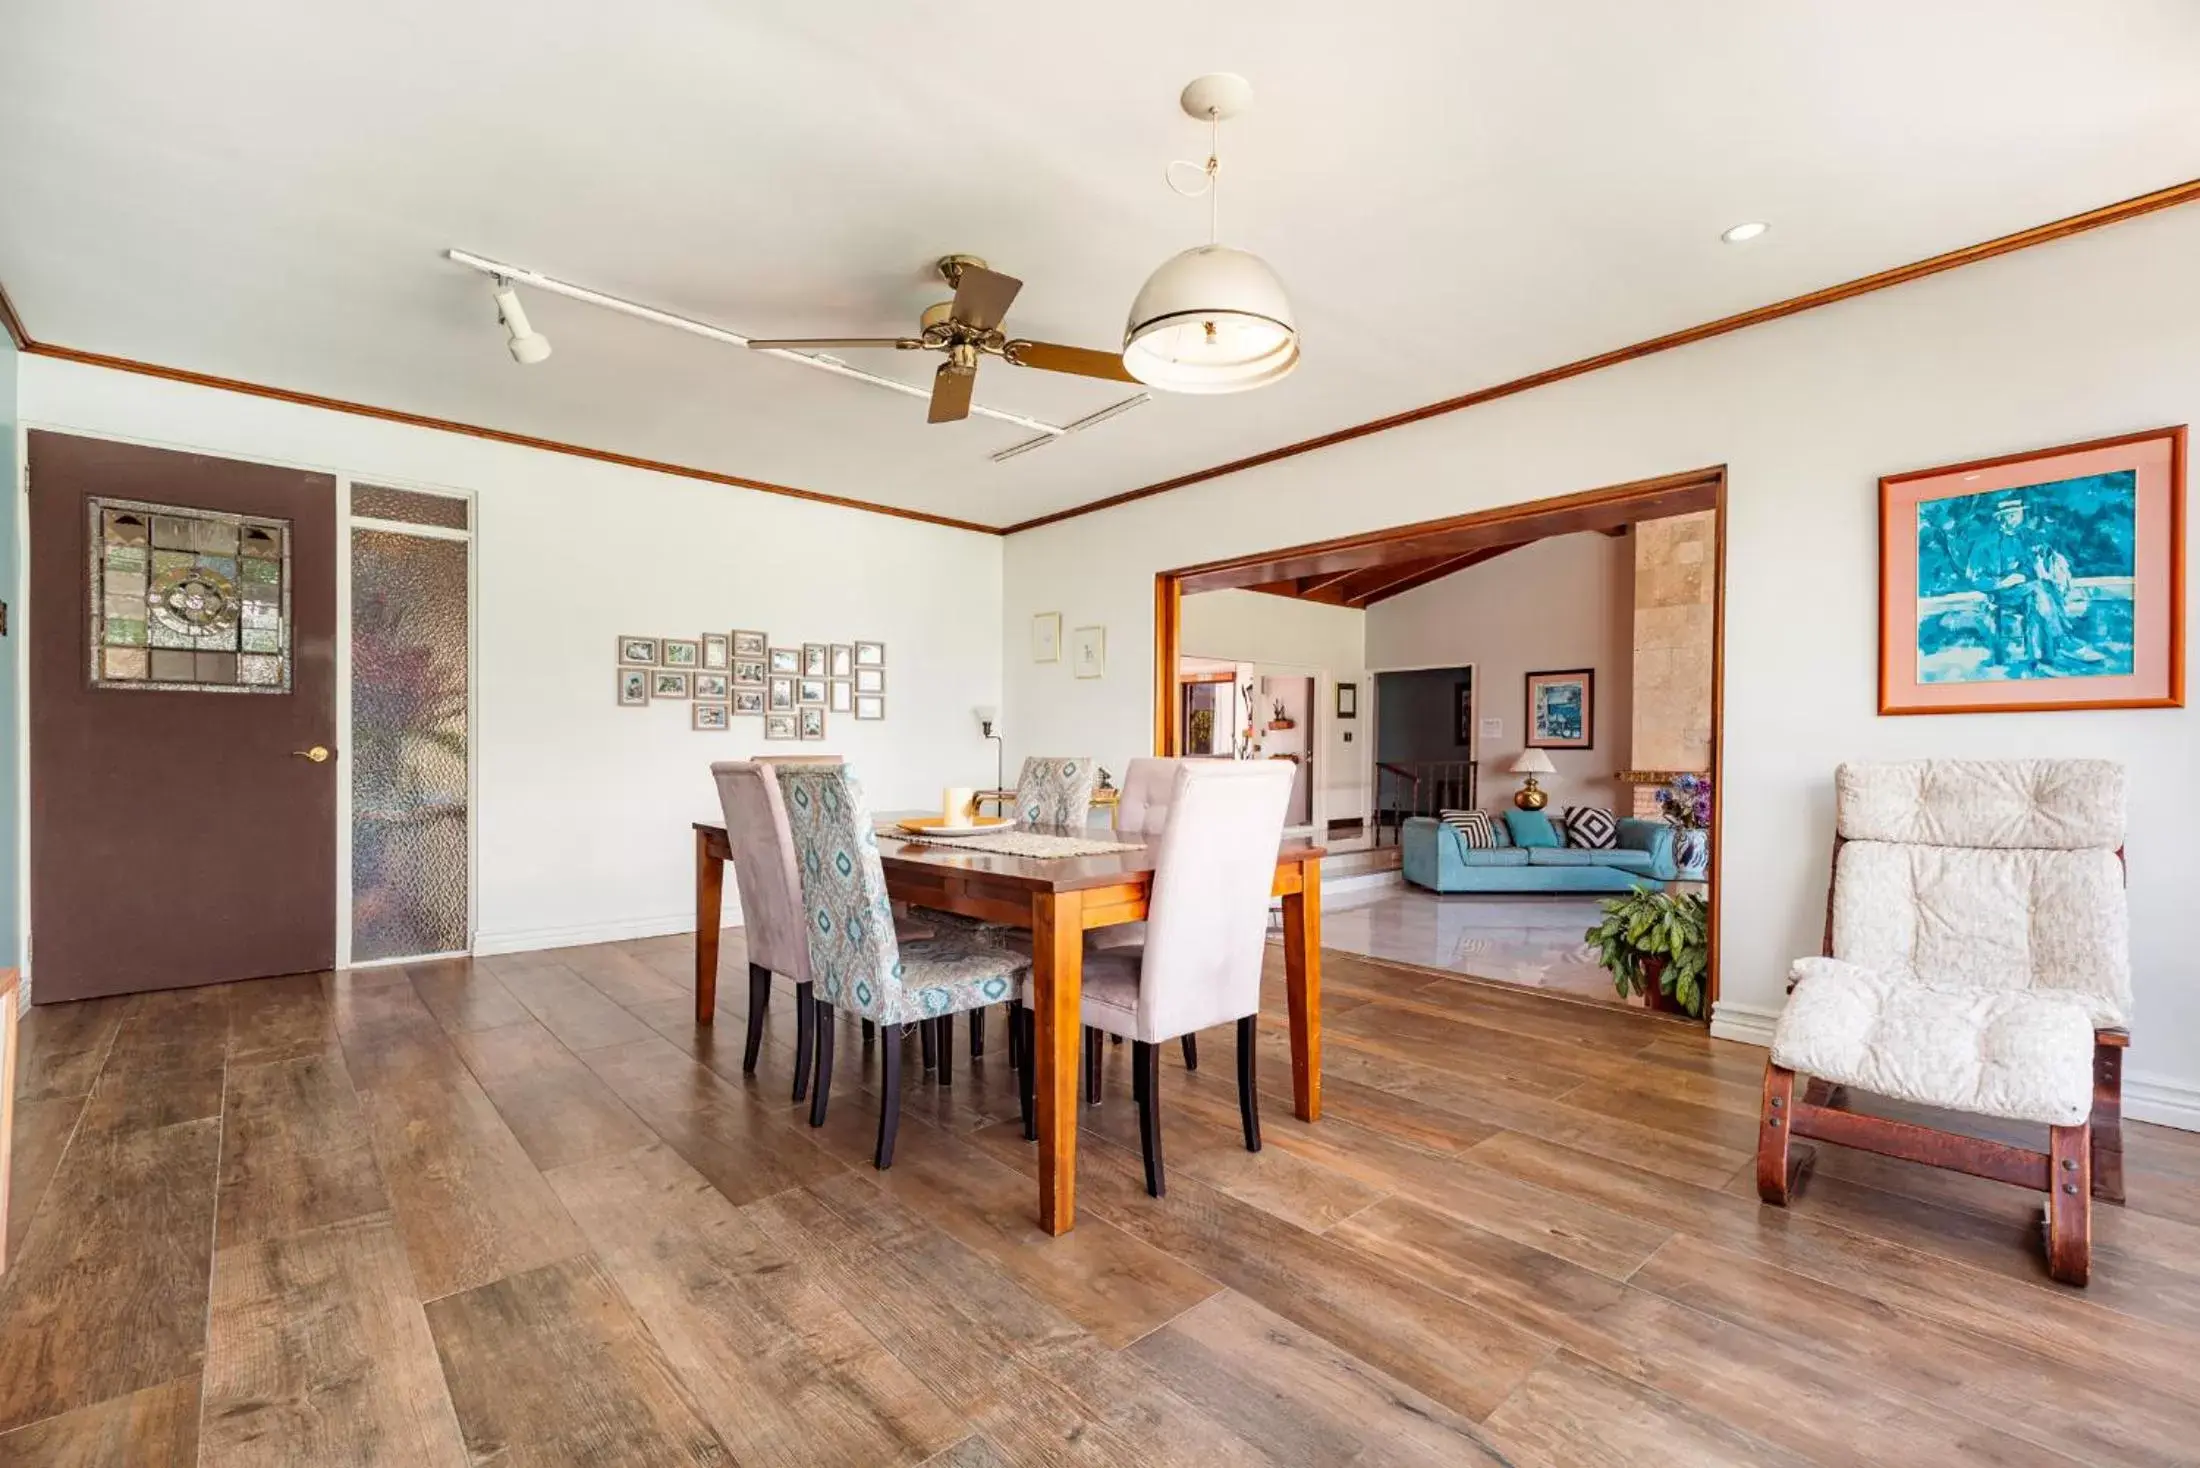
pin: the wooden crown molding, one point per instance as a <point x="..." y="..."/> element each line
<point x="31" y="346"/>
<point x="2117" y="213"/>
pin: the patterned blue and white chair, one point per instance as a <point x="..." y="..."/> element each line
<point x="856" y="962"/>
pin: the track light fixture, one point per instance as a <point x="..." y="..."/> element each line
<point x="527" y="345"/>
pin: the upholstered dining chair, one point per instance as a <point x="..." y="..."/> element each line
<point x="764" y="876"/>
<point x="1977" y="959"/>
<point x="856" y="962"/>
<point x="1206" y="938"/>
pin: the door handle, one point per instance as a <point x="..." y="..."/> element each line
<point x="319" y="754"/>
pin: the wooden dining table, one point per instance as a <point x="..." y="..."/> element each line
<point x="1059" y="900"/>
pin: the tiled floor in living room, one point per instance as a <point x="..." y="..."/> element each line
<point x="1530" y="940"/>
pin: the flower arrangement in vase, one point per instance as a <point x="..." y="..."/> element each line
<point x="1686" y="804"/>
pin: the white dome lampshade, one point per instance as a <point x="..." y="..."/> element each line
<point x="1211" y="320"/>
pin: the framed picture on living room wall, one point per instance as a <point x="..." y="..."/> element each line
<point x="1562" y="709"/>
<point x="2038" y="581"/>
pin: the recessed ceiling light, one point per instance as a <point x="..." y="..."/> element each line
<point x="1742" y="234"/>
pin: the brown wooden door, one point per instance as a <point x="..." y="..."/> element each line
<point x="175" y="837"/>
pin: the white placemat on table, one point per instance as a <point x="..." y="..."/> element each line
<point x="1018" y="843"/>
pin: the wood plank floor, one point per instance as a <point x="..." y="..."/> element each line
<point x="520" y="1211"/>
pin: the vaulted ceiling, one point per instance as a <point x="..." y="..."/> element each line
<point x="1457" y="192"/>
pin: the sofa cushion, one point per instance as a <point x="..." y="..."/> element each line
<point x="1476" y="830"/>
<point x="1531" y="828"/>
<point x="1589" y="827"/>
<point x="1574" y="856"/>
<point x="1502" y="856"/>
<point x="2019" y="1055"/>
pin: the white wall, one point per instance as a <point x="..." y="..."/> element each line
<point x="1285" y="635"/>
<point x="2094" y="335"/>
<point x="1567" y="602"/>
<point x="583" y="808"/>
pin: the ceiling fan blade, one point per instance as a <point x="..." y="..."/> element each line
<point x="812" y="344"/>
<point x="951" y="387"/>
<point x="982" y="296"/>
<point x="1077" y="361"/>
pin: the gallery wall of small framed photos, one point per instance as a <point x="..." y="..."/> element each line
<point x="724" y="676"/>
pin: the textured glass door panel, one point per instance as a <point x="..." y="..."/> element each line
<point x="408" y="746"/>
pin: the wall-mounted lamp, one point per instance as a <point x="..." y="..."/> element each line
<point x="988" y="727"/>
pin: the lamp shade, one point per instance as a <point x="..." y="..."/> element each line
<point x="988" y="716"/>
<point x="1533" y="762"/>
<point x="1211" y="320"/>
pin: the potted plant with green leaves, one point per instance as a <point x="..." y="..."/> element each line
<point x="1658" y="945"/>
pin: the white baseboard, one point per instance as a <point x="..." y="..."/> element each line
<point x="1750" y="1024"/>
<point x="1360" y="882"/>
<point x="2162" y="1101"/>
<point x="527" y="940"/>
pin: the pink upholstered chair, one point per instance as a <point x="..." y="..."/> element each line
<point x="1206" y="937"/>
<point x="765" y="876"/>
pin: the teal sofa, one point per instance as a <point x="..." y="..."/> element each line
<point x="1437" y="857"/>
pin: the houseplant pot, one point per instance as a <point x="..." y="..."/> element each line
<point x="1658" y="945"/>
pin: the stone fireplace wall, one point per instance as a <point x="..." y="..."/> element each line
<point x="1672" y="694"/>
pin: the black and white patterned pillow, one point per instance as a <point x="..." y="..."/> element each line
<point x="1590" y="827"/>
<point x="1475" y="827"/>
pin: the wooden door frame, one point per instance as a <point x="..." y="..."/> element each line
<point x="1596" y="509"/>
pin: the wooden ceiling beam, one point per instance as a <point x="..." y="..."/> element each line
<point x="1403" y="579"/>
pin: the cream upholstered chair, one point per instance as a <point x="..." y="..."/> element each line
<point x="1206" y="938"/>
<point x="1978" y="960"/>
<point x="855" y="961"/>
<point x="764" y="875"/>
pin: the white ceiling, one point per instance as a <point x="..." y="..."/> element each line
<point x="1457" y="192"/>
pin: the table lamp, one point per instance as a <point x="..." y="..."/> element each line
<point x="1532" y="762"/>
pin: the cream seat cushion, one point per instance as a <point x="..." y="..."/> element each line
<point x="2024" y="1055"/>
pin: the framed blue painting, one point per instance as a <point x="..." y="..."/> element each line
<point x="1562" y="709"/>
<point x="2049" y="580"/>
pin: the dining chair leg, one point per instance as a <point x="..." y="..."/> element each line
<point x="1015" y="1037"/>
<point x="823" y="1080"/>
<point x="977" y="1033"/>
<point x="1092" y="1066"/>
<point x="1146" y="1069"/>
<point x="760" y="998"/>
<point x="889" y="1106"/>
<point x="926" y="1035"/>
<point x="1248" y="1089"/>
<point x="870" y="1032"/>
<point x="1025" y="1027"/>
<point x="805" y="1031"/>
<point x="943" y="1046"/>
<point x="1191" y="1052"/>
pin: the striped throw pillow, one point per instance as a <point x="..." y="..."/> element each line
<point x="1475" y="827"/>
<point x="1590" y="827"/>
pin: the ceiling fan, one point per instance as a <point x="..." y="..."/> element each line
<point x="967" y="328"/>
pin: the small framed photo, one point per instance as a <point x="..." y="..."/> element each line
<point x="1348" y="700"/>
<point x="870" y="680"/>
<point x="816" y="657"/>
<point x="870" y="654"/>
<point x="706" y="717"/>
<point x="870" y="706"/>
<point x="1046" y="637"/>
<point x="748" y="701"/>
<point x="779" y="726"/>
<point x="748" y="672"/>
<point x="750" y="644"/>
<point x="1561" y="709"/>
<point x="712" y="686"/>
<point x="786" y="660"/>
<point x="1088" y="652"/>
<point x="781" y="696"/>
<point x="843" y="661"/>
<point x="839" y="696"/>
<point x="683" y="652"/>
<point x="633" y="687"/>
<point x="810" y="692"/>
<point x="668" y="684"/>
<point x="813" y="723"/>
<point x="716" y="650"/>
<point x="638" y="652"/>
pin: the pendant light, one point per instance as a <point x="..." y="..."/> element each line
<point x="1212" y="319"/>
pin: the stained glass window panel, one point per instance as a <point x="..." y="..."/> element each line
<point x="373" y="502"/>
<point x="408" y="745"/>
<point x="198" y="590"/>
